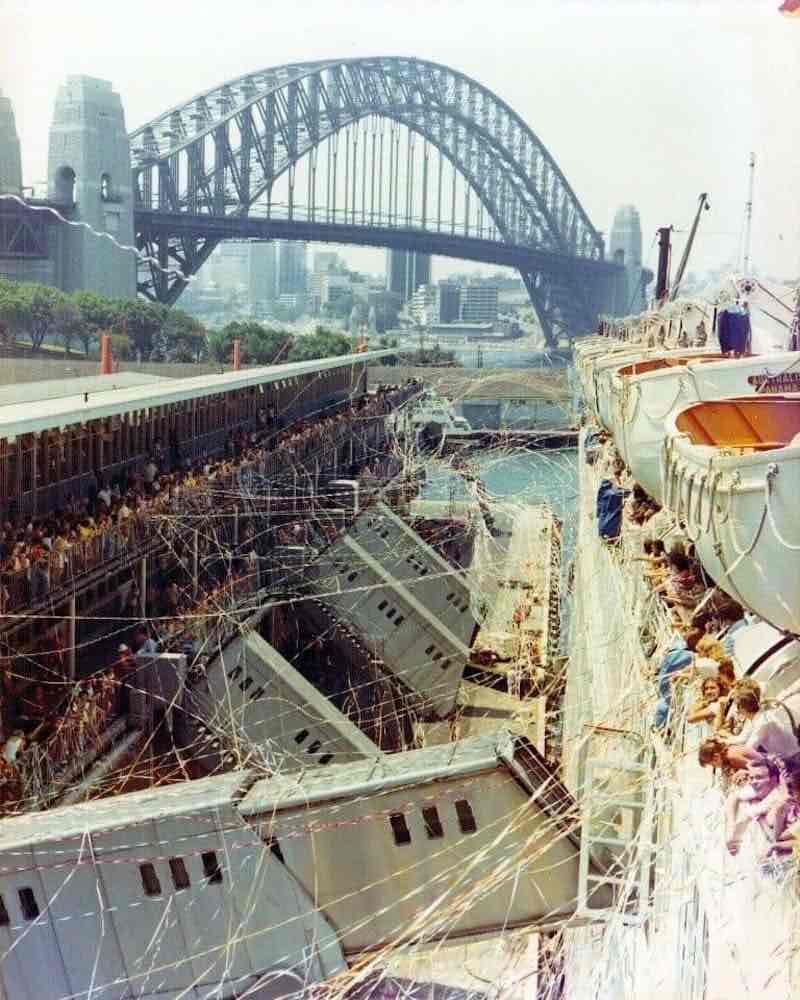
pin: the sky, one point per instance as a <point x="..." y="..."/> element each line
<point x="647" y="102"/>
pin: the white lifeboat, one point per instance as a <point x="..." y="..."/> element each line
<point x="606" y="376"/>
<point x="732" y="476"/>
<point x="644" y="394"/>
<point x="613" y="356"/>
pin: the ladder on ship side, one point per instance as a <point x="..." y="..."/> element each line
<point x="616" y="840"/>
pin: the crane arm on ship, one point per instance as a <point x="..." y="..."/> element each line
<point x="703" y="204"/>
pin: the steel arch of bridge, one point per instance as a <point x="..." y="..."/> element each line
<point x="205" y="171"/>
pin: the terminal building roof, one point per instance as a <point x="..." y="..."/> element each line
<point x="110" y="396"/>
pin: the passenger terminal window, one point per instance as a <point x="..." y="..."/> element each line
<point x="150" y="882"/>
<point x="211" y="868"/>
<point x="400" y="831"/>
<point x="433" y="825"/>
<point x="466" y="818"/>
<point x="27" y="900"/>
<point x="180" y="877"/>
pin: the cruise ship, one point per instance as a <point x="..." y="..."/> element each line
<point x="684" y="660"/>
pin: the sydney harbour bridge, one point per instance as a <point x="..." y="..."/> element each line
<point x="388" y="152"/>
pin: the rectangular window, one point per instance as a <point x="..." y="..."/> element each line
<point x="326" y="758"/>
<point x="246" y="683"/>
<point x="27" y="900"/>
<point x="4" y="918"/>
<point x="391" y="613"/>
<point x="211" y="868"/>
<point x="313" y="747"/>
<point x="259" y="691"/>
<point x="236" y="672"/>
<point x="180" y="877"/>
<point x="302" y="735"/>
<point x="400" y="831"/>
<point x="466" y="818"/>
<point x="429" y="650"/>
<point x="383" y="605"/>
<point x="399" y="620"/>
<point x="150" y="883"/>
<point x="433" y="825"/>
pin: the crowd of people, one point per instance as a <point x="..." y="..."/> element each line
<point x="39" y="554"/>
<point x="752" y="743"/>
<point x="40" y="737"/>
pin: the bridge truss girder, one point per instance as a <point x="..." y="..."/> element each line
<point x="220" y="155"/>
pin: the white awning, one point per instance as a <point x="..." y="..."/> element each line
<point x="45" y="414"/>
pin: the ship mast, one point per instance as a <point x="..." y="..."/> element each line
<point x="748" y="216"/>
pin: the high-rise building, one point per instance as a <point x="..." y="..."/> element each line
<point x="291" y="268"/>
<point x="406" y="271"/>
<point x="625" y="247"/>
<point x="262" y="273"/>
<point x="326" y="260"/>
<point x="479" y="303"/>
<point x="10" y="158"/>
<point x="229" y="265"/>
<point x="449" y="295"/>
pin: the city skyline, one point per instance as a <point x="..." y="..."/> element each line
<point x="617" y="118"/>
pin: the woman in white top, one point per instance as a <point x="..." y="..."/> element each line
<point x="706" y="708"/>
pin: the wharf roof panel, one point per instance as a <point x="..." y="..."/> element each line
<point x="45" y="414"/>
<point x="151" y="804"/>
<point x="57" y="388"/>
<point x="336" y="781"/>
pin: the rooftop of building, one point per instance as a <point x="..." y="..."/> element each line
<point x="111" y="396"/>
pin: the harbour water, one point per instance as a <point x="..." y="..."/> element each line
<point x="514" y="478"/>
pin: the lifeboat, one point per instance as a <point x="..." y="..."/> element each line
<point x="606" y="375"/>
<point x="732" y="476"/>
<point x="643" y="395"/>
<point x="590" y="366"/>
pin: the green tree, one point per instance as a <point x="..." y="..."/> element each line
<point x="320" y="344"/>
<point x="67" y="322"/>
<point x="11" y="311"/>
<point x="143" y="323"/>
<point x="260" y="345"/>
<point x="218" y="346"/>
<point x="41" y="305"/>
<point x="98" y="313"/>
<point x="185" y="336"/>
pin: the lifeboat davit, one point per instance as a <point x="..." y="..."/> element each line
<point x="644" y="394"/>
<point x="732" y="476"/>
